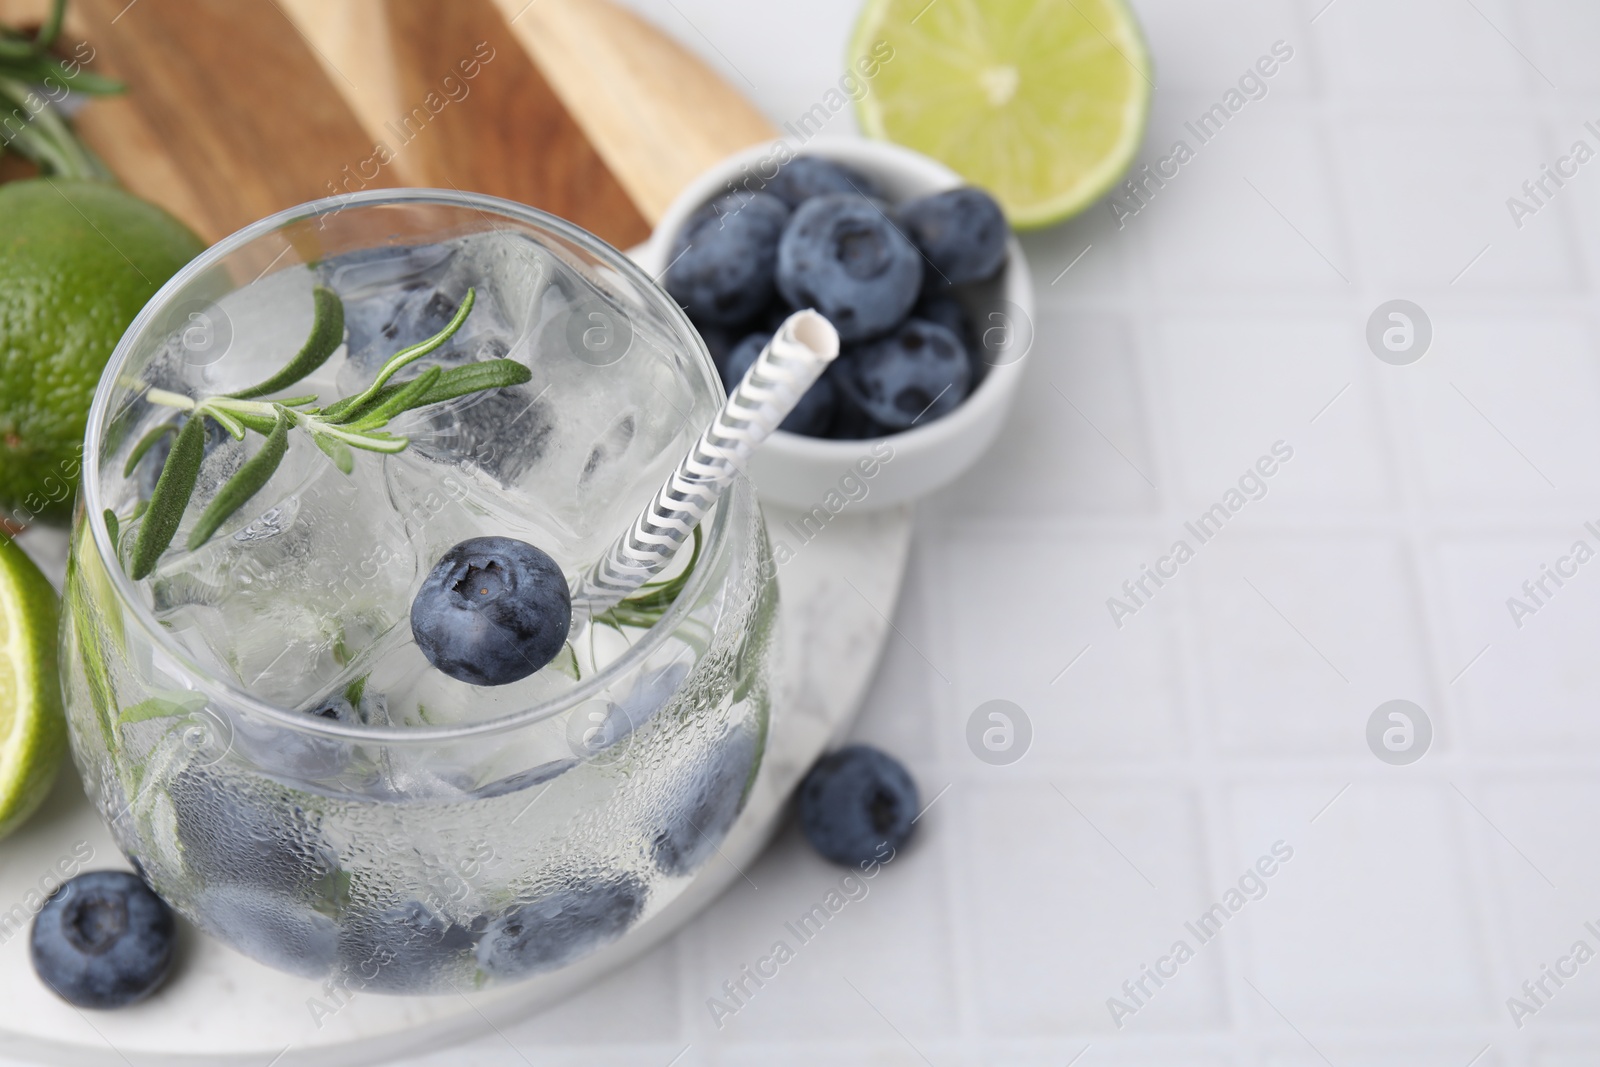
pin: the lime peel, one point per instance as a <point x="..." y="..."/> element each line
<point x="33" y="729"/>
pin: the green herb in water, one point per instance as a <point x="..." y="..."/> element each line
<point x="354" y="422"/>
<point x="653" y="600"/>
<point x="34" y="128"/>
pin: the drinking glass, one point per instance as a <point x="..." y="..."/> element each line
<point x="254" y="721"/>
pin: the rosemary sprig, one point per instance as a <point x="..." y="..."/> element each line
<point x="355" y="422"/>
<point x="27" y="69"/>
<point x="171" y="496"/>
<point x="245" y="483"/>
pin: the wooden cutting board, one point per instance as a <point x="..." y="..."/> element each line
<point x="239" y="108"/>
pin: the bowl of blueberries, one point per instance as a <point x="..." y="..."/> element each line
<point x="919" y="273"/>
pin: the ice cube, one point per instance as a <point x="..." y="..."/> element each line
<point x="608" y="450"/>
<point x="399" y="296"/>
<point x="421" y="695"/>
<point x="300" y="756"/>
<point x="445" y="503"/>
<point x="299" y="584"/>
<point x="502" y="433"/>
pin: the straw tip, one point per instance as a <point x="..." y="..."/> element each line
<point x="811" y="330"/>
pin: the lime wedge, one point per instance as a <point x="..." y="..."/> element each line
<point x="33" y="730"/>
<point x="1041" y="102"/>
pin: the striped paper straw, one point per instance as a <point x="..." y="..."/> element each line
<point x="792" y="361"/>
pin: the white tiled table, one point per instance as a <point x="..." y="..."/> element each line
<point x="1230" y="713"/>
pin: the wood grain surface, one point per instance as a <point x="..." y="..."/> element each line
<point x="239" y="108"/>
<point x="228" y="115"/>
<point x="446" y="87"/>
<point x="656" y="114"/>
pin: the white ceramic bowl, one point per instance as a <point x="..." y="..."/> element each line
<point x="809" y="472"/>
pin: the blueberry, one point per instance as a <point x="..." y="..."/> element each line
<point x="841" y="255"/>
<point x="560" y="926"/>
<point x="722" y="340"/>
<point x="230" y="837"/>
<point x="698" y="827"/>
<point x="103" y="940"/>
<point x="850" y="423"/>
<point x="335" y="709"/>
<point x="400" y="950"/>
<point x="492" y="611"/>
<point x="962" y="232"/>
<point x="719" y="341"/>
<point x="270" y="927"/>
<point x="804" y="177"/>
<point x="279" y="750"/>
<point x="915" y="375"/>
<point x="814" y="412"/>
<point x="770" y="320"/>
<point x="724" y="257"/>
<point x="942" y="309"/>
<point x="854" y="801"/>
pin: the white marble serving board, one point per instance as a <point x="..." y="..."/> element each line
<point x="837" y="593"/>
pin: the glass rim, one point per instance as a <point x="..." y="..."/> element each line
<point x="224" y="690"/>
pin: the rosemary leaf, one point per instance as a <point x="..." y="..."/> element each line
<point x="14" y="47"/>
<point x="336" y="411"/>
<point x="52" y="26"/>
<point x="245" y="483"/>
<point x="378" y="442"/>
<point x="403" y="399"/>
<point x="337" y="451"/>
<point x="228" y="422"/>
<point x="406" y="356"/>
<point x="352" y="423"/>
<point x="86" y="81"/>
<point x="35" y="69"/>
<point x="475" y="378"/>
<point x="457" y="381"/>
<point x="146" y="443"/>
<point x="327" y="333"/>
<point x="171" y="497"/>
<point x="261" y="424"/>
<point x="111" y="527"/>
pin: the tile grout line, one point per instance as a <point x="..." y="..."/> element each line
<point x="927" y="558"/>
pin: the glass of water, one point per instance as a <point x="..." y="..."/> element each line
<point x="255" y="720"/>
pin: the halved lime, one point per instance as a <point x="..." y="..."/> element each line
<point x="33" y="730"/>
<point x="1041" y="102"/>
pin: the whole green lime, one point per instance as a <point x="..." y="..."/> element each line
<point x="78" y="259"/>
